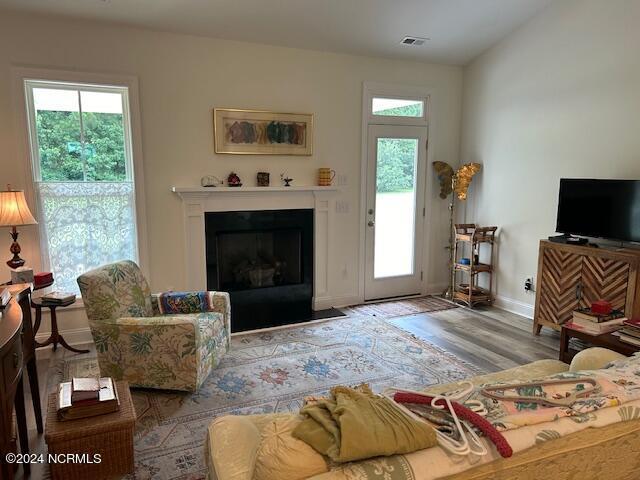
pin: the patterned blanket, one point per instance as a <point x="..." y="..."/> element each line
<point x="617" y="400"/>
<point x="615" y="385"/>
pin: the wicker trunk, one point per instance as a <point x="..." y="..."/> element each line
<point x="110" y="436"/>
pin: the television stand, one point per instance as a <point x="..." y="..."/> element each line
<point x="568" y="239"/>
<point x="574" y="276"/>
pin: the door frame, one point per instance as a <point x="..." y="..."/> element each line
<point x="401" y="284"/>
<point x="389" y="90"/>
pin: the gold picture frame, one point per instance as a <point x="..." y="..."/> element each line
<point x="259" y="132"/>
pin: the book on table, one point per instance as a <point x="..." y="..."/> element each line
<point x="596" y="328"/>
<point x="86" y="397"/>
<point x="587" y="315"/>
<point x="630" y="332"/>
<point x="629" y="339"/>
<point x="58" y="297"/>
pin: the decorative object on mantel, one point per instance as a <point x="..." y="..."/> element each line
<point x="257" y="132"/>
<point x="210" y="181"/>
<point x="14" y="212"/>
<point x="325" y="176"/>
<point x="286" y="180"/>
<point x="233" y="180"/>
<point x="458" y="182"/>
<point x="262" y="178"/>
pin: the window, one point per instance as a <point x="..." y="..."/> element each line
<point x="83" y="174"/>
<point x="397" y="107"/>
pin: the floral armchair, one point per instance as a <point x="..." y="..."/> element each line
<point x="170" y="340"/>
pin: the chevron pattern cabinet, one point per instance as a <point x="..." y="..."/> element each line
<point x="572" y="276"/>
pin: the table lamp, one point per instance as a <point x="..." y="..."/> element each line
<point x="14" y="212"/>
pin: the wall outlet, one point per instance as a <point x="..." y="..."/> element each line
<point x="529" y="285"/>
<point x="341" y="179"/>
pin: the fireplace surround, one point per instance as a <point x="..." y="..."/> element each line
<point x="198" y="201"/>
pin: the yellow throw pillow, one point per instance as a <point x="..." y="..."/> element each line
<point x="232" y="445"/>
<point x="282" y="456"/>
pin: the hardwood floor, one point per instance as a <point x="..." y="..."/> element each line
<point x="490" y="338"/>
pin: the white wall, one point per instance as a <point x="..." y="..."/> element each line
<point x="560" y="97"/>
<point x="181" y="79"/>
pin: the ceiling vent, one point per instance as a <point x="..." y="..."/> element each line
<point x="414" y="41"/>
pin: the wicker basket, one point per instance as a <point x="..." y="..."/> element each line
<point x="110" y="436"/>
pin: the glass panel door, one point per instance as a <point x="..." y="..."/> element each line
<point x="395" y="201"/>
<point x="394" y="235"/>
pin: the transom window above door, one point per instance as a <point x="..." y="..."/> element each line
<point x="80" y="138"/>
<point x="397" y="107"/>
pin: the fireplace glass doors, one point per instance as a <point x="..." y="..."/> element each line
<point x="259" y="259"/>
<point x="264" y="259"/>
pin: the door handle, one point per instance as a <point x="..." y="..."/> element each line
<point x="371" y="211"/>
<point x="371" y="223"/>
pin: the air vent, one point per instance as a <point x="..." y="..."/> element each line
<point x="414" y="41"/>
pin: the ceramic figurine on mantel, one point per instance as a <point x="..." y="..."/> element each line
<point x="210" y="181"/>
<point x="285" y="178"/>
<point x="233" y="180"/>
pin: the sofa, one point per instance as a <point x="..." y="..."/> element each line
<point x="260" y="447"/>
<point x="166" y="341"/>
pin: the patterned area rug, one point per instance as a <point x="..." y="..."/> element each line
<point x="400" y="308"/>
<point x="271" y="372"/>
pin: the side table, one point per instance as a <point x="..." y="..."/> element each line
<point x="55" y="336"/>
<point x="109" y="435"/>
<point x="606" y="340"/>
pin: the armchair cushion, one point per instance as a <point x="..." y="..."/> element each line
<point x="175" y="352"/>
<point x="115" y="290"/>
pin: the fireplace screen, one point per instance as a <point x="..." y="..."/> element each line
<point x="257" y="259"/>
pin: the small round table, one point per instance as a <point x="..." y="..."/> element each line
<point x="55" y="337"/>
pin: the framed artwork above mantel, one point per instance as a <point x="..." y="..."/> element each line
<point x="257" y="132"/>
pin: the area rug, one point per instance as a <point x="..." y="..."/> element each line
<point x="400" y="308"/>
<point x="272" y="372"/>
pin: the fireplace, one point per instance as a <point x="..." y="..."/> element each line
<point x="264" y="259"/>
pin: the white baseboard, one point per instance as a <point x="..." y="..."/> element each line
<point x="514" y="306"/>
<point x="322" y="303"/>
<point x="73" y="336"/>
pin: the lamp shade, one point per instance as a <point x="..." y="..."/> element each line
<point x="14" y="210"/>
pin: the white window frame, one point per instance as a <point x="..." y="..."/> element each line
<point x="133" y="140"/>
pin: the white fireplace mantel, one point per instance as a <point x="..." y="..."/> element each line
<point x="236" y="190"/>
<point x="196" y="201"/>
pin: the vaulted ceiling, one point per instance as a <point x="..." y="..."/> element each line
<point x="458" y="30"/>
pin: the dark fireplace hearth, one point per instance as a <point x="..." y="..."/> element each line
<point x="264" y="259"/>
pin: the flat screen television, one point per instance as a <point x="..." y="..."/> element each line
<point x="607" y="209"/>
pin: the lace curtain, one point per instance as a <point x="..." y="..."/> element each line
<point x="86" y="224"/>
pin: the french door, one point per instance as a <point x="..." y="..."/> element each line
<point x="396" y="163"/>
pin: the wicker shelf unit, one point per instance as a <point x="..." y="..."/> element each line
<point x="472" y="236"/>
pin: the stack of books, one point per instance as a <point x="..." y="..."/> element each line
<point x="86" y="397"/>
<point x="591" y="323"/>
<point x="630" y="332"/>
<point x="58" y="298"/>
